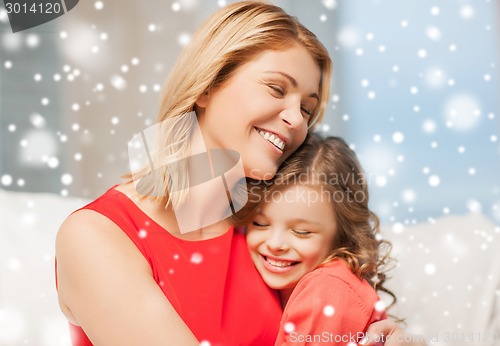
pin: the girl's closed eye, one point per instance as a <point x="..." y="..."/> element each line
<point x="259" y="224"/>
<point x="301" y="233"/>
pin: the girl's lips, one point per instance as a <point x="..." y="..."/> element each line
<point x="277" y="269"/>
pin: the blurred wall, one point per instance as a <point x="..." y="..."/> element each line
<point x="415" y="90"/>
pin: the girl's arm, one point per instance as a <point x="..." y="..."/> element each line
<point x="105" y="285"/>
<point x="392" y="334"/>
<point x="326" y="309"/>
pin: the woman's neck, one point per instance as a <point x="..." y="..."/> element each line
<point x="214" y="178"/>
<point x="167" y="219"/>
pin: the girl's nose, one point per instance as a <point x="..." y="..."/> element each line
<point x="277" y="241"/>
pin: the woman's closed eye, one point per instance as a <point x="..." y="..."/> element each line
<point x="280" y="92"/>
<point x="277" y="90"/>
<point x="307" y="113"/>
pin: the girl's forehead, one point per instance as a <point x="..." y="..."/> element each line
<point x="306" y="193"/>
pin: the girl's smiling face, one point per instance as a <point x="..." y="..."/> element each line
<point x="262" y="110"/>
<point x="292" y="234"/>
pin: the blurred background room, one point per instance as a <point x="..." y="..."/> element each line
<point x="415" y="93"/>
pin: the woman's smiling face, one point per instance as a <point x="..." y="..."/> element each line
<point x="262" y="110"/>
<point x="292" y="234"/>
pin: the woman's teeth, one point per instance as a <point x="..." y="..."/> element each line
<point x="273" y="139"/>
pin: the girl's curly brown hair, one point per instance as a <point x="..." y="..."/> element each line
<point x="330" y="164"/>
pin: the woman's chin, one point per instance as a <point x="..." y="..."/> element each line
<point x="262" y="174"/>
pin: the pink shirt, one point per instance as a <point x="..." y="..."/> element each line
<point x="329" y="306"/>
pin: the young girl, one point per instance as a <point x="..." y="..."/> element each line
<point x="313" y="238"/>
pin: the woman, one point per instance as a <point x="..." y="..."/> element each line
<point x="250" y="69"/>
<point x="126" y="272"/>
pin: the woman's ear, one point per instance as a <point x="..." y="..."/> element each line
<point x="202" y="101"/>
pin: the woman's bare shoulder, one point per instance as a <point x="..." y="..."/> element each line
<point x="88" y="232"/>
<point x="88" y="242"/>
<point x="87" y="227"/>
<point x="87" y="224"/>
<point x="106" y="285"/>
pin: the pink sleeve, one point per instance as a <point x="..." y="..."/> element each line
<point x="326" y="309"/>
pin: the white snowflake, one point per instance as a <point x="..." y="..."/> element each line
<point x="98" y="5"/>
<point x="422" y="53"/>
<point x="32" y="40"/>
<point x="183" y="39"/>
<point x="196" y="258"/>
<point x="434" y="180"/>
<point x="380" y="306"/>
<point x="67" y="179"/>
<point x="398" y="137"/>
<point x="398" y="228"/>
<point x="289" y="327"/>
<point x="37" y="120"/>
<point x="435" y="78"/>
<point x="118" y="82"/>
<point x="473" y="206"/>
<point x="381" y="180"/>
<point x="467" y="12"/>
<point x="429" y="126"/>
<point x="409" y="196"/>
<point x="430" y="269"/>
<point x="328" y="310"/>
<point x="330" y="4"/>
<point x="433" y="33"/>
<point x="435" y="10"/>
<point x="6" y="180"/>
<point x="176" y="7"/>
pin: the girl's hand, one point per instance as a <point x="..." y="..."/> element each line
<point x="388" y="333"/>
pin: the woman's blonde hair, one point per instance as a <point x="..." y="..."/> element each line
<point x="331" y="166"/>
<point x="229" y="38"/>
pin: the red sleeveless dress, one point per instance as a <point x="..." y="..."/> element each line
<point x="212" y="283"/>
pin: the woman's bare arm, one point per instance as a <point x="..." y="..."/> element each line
<point x="105" y="285"/>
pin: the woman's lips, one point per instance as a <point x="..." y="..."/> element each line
<point x="274" y="147"/>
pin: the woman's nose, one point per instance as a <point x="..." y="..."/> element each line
<point x="292" y="116"/>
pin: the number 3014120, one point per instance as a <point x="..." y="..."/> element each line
<point x="16" y="7"/>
